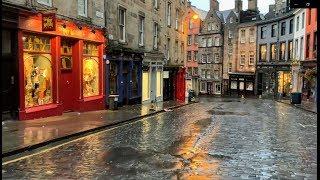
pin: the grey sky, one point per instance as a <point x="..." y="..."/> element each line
<point x="263" y="5"/>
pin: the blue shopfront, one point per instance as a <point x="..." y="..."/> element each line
<point x="123" y="77"/>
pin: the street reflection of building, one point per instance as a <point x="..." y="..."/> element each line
<point x="60" y="58"/>
<point x="275" y="53"/>
<point x="194" y="19"/>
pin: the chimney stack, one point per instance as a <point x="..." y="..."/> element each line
<point x="238" y="6"/>
<point x="214" y="5"/>
<point x="252" y="5"/>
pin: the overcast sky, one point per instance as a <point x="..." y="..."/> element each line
<point x="263" y="5"/>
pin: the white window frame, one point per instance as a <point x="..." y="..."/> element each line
<point x="141" y="30"/>
<point x="216" y="57"/>
<point x="45" y="3"/>
<point x="251" y="58"/>
<point x="189" y="55"/>
<point x="122" y="25"/>
<point x="168" y="12"/>
<point x="242" y="36"/>
<point x="209" y="42"/>
<point x="189" y="40"/>
<point x="231" y="20"/>
<point x="242" y="58"/>
<point x="230" y="34"/>
<point x="85" y="2"/>
<point x="217" y="41"/>
<point x="155" y="4"/>
<point x="177" y="20"/>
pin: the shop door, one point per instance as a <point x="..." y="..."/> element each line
<point x="153" y="84"/>
<point x="67" y="84"/>
<point x="125" y="82"/>
<point x="9" y="77"/>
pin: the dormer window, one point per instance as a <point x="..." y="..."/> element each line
<point x="231" y="20"/>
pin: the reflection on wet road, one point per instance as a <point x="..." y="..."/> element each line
<point x="214" y="139"/>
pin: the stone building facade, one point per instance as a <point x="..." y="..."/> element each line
<point x="194" y="19"/>
<point x="211" y="51"/>
<point x="274" y="55"/>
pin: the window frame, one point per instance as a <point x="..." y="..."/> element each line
<point x="141" y="30"/>
<point x="85" y="2"/>
<point x="265" y="53"/>
<point x="283" y="28"/>
<point x="122" y="9"/>
<point x="45" y="3"/>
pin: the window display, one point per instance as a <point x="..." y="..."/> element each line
<point x="90" y="70"/>
<point x="38" y="79"/>
<point x="90" y="77"/>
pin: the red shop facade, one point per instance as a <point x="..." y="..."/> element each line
<point x="60" y="66"/>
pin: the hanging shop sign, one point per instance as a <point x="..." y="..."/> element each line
<point x="49" y="22"/>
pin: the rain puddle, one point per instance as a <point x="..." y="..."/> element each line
<point x="215" y="112"/>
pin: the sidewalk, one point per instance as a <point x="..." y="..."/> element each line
<point x="305" y="105"/>
<point x="19" y="136"/>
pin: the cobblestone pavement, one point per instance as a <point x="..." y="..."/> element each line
<point x="22" y="134"/>
<point x="213" y="139"/>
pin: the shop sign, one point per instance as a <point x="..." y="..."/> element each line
<point x="49" y="22"/>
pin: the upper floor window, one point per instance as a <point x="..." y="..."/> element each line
<point x="263" y="52"/>
<point x="302" y="20"/>
<point x="177" y="19"/>
<point x="45" y="2"/>
<point x="283" y="28"/>
<point x="209" y="26"/>
<point x="195" y="39"/>
<point x="203" y="58"/>
<point x="251" y="58"/>
<point x="155" y="35"/>
<point x="195" y="54"/>
<point x="290" y="50"/>
<point x="309" y="16"/>
<point x="216" y="58"/>
<point x="273" y="52"/>
<point x="315" y="44"/>
<point x="189" y="40"/>
<point x="155" y="4"/>
<point x="231" y="20"/>
<point x="251" y="35"/>
<point x="242" y="58"/>
<point x="282" y="51"/>
<point x="122" y="24"/>
<point x="203" y="42"/>
<point x="189" y="55"/>
<point x="83" y="8"/>
<point x="217" y="41"/>
<point x="263" y="32"/>
<point x="308" y="46"/>
<point x="141" y="30"/>
<point x="168" y="12"/>
<point x="273" y="30"/>
<point x="297" y="23"/>
<point x="243" y="36"/>
<point x="230" y="34"/>
<point x="291" y="26"/>
<point x="209" y="41"/>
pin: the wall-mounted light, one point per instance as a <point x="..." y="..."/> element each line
<point x="80" y="27"/>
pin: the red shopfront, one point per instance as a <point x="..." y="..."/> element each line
<point x="60" y="70"/>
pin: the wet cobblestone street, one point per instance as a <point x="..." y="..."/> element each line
<point x="214" y="139"/>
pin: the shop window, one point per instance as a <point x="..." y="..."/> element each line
<point x="66" y="55"/>
<point x="234" y="85"/>
<point x="203" y="86"/>
<point x="37" y="70"/>
<point x="135" y="80"/>
<point x="113" y="77"/>
<point x="38" y="79"/>
<point x="241" y="85"/>
<point x="284" y="83"/>
<point x="251" y="58"/>
<point x="145" y="86"/>
<point x="6" y="42"/>
<point x="249" y="86"/>
<point x="90" y="70"/>
<point x="242" y="58"/>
